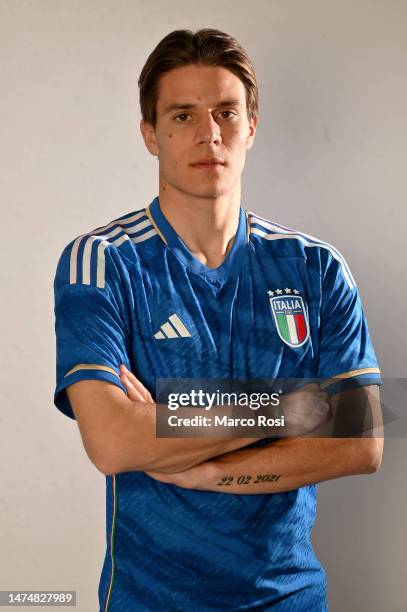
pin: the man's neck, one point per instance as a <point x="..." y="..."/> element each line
<point x="206" y="225"/>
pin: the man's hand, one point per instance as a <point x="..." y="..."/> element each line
<point x="193" y="478"/>
<point x="304" y="410"/>
<point x="135" y="388"/>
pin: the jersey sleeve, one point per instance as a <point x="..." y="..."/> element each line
<point x="346" y="358"/>
<point x="91" y="318"/>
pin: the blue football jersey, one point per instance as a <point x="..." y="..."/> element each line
<point x="282" y="304"/>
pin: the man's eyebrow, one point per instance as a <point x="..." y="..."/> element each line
<point x="186" y="106"/>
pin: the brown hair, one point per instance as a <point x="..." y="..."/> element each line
<point x="206" y="46"/>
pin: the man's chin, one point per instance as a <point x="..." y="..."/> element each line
<point x="208" y="191"/>
<point x="194" y="189"/>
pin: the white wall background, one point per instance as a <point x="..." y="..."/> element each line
<point x="329" y="159"/>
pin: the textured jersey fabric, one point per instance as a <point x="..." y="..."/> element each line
<point x="283" y="304"/>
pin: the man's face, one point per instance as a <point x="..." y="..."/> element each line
<point x="201" y="115"/>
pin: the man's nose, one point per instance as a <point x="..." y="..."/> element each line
<point x="207" y="130"/>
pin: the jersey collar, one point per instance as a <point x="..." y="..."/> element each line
<point x="178" y="247"/>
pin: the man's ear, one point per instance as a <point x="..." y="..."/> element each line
<point x="252" y="131"/>
<point x="149" y="138"/>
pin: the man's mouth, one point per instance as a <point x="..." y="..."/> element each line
<point x="208" y="163"/>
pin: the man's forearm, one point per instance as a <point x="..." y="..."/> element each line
<point x="281" y="466"/>
<point x="289" y="464"/>
<point x="136" y="447"/>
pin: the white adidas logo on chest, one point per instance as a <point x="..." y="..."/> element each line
<point x="172" y="328"/>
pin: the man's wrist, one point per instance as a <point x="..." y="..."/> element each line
<point x="204" y="475"/>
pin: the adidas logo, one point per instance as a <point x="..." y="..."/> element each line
<point x="173" y="328"/>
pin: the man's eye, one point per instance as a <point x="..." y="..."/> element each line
<point x="181" y="115"/>
<point x="231" y="114"/>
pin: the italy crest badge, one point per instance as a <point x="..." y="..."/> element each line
<point x="290" y="316"/>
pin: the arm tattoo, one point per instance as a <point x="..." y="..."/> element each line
<point x="245" y="479"/>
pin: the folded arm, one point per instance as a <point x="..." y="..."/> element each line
<point x="119" y="432"/>
<point x="293" y="462"/>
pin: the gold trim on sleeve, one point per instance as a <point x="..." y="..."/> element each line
<point x="350" y="374"/>
<point x="91" y="366"/>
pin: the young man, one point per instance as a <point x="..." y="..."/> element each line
<point x="195" y="286"/>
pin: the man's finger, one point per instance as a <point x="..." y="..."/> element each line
<point x="137" y="384"/>
<point x="133" y="393"/>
